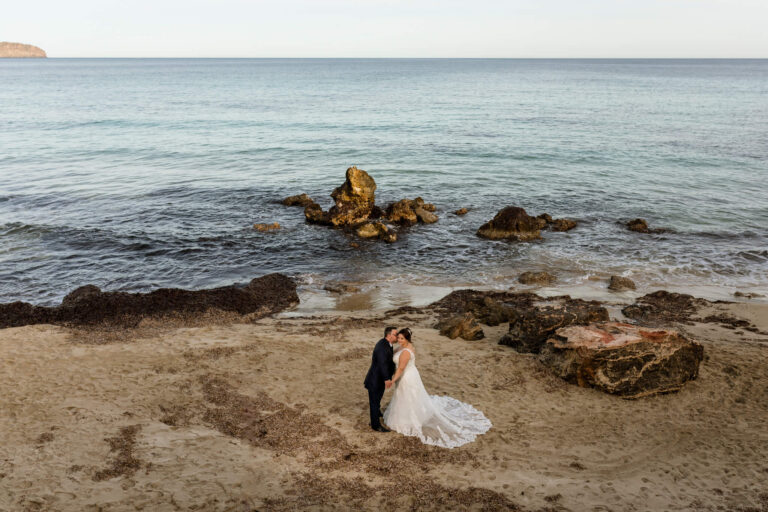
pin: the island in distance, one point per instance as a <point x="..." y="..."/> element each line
<point x="20" y="51"/>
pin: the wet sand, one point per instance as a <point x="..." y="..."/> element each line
<point x="272" y="415"/>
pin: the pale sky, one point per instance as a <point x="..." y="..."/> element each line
<point x="390" y="28"/>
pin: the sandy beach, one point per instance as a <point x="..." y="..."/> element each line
<point x="271" y="414"/>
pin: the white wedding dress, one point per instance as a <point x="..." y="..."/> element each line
<point x="436" y="420"/>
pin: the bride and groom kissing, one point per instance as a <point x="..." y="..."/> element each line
<point x="435" y="420"/>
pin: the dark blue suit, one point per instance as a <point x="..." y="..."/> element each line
<point x="382" y="369"/>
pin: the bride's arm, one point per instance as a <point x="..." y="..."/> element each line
<point x="404" y="357"/>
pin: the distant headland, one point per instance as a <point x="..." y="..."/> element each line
<point x="20" y="50"/>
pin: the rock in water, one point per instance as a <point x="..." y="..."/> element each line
<point x="20" y="51"/>
<point x="619" y="283"/>
<point x="464" y="326"/>
<point x="315" y="215"/>
<point x="265" y="228"/>
<point x="562" y="225"/>
<point x="530" y="328"/>
<point x="638" y="225"/>
<point x="425" y="216"/>
<point x="376" y="230"/>
<point x="461" y="211"/>
<point x="623" y="359"/>
<point x="511" y="223"/>
<point x="408" y="212"/>
<point x="300" y="200"/>
<point x="402" y="212"/>
<point x="354" y="199"/>
<point x="542" y="278"/>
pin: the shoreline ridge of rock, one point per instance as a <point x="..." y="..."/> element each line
<point x="89" y="305"/>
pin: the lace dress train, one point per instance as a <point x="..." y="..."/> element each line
<point x="436" y="420"/>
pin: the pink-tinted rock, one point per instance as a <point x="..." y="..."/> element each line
<point x="623" y="359"/>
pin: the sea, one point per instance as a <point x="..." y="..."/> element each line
<point x="134" y="174"/>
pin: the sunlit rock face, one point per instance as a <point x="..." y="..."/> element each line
<point x="623" y="359"/>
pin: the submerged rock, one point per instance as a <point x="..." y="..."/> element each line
<point x="623" y="359"/>
<point x="89" y="305"/>
<point x="562" y="225"/>
<point x="541" y="278"/>
<point x="336" y="287"/>
<point x="619" y="284"/>
<point x="464" y="326"/>
<point x="511" y="223"/>
<point x="638" y="225"/>
<point x="530" y="328"/>
<point x="300" y="200"/>
<point x="264" y="228"/>
<point x="461" y="211"/>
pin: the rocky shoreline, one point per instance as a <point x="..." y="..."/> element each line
<point x="88" y="305"/>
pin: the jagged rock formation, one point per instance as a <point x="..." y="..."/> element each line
<point x="89" y="305"/>
<point x="20" y="51"/>
<point x="623" y="359"/>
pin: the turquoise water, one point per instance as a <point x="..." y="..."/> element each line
<point x="138" y="173"/>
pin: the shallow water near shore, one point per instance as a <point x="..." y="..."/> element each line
<point x="134" y="174"/>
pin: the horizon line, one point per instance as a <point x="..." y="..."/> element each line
<point x="389" y="58"/>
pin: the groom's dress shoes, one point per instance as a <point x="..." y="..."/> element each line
<point x="381" y="429"/>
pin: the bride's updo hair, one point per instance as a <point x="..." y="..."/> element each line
<point x="406" y="332"/>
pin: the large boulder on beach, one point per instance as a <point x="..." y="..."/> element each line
<point x="354" y="199"/>
<point x="89" y="305"/>
<point x="464" y="326"/>
<point x="623" y="359"/>
<point x="511" y="223"/>
<point x="529" y="328"/>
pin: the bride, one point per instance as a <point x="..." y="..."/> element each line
<point x="436" y="420"/>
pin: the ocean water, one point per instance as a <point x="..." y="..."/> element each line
<point x="133" y="174"/>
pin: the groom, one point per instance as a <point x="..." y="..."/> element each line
<point x="379" y="375"/>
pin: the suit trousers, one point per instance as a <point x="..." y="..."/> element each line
<point x="374" y="400"/>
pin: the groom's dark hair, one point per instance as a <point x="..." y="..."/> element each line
<point x="389" y="329"/>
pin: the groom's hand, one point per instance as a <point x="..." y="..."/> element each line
<point x="387" y="384"/>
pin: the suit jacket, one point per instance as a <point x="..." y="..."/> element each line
<point x="382" y="365"/>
